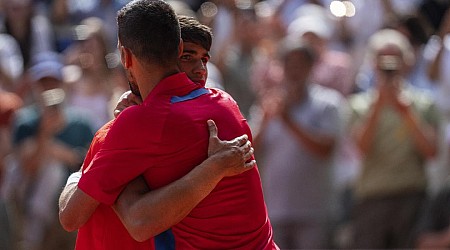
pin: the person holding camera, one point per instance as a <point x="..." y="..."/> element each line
<point x="394" y="126"/>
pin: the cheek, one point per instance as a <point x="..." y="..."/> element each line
<point x="186" y="67"/>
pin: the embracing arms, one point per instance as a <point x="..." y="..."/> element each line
<point x="225" y="158"/>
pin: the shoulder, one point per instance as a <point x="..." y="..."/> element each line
<point x="103" y="131"/>
<point x="137" y="121"/>
<point x="216" y="92"/>
<point x="131" y="115"/>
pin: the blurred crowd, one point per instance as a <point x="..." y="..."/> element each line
<point x="349" y="104"/>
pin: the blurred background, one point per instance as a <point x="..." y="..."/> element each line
<point x="348" y="101"/>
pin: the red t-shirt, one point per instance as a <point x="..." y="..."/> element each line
<point x="163" y="139"/>
<point x="104" y="230"/>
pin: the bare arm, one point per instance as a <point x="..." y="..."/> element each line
<point x="424" y="135"/>
<point x="75" y="206"/>
<point x="146" y="214"/>
<point x="365" y="131"/>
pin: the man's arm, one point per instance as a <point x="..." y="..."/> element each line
<point x="75" y="206"/>
<point x="424" y="135"/>
<point x="228" y="158"/>
<point x="146" y="214"/>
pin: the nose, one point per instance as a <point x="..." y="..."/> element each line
<point x="200" y="68"/>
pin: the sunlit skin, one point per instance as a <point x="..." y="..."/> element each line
<point x="193" y="61"/>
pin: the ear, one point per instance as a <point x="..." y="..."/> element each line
<point x="180" y="48"/>
<point x="126" y="57"/>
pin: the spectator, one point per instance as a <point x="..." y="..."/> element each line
<point x="395" y="129"/>
<point x="333" y="68"/>
<point x="296" y="146"/>
<point x="235" y="60"/>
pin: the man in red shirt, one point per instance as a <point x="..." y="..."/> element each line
<point x="175" y="109"/>
<point x="104" y="230"/>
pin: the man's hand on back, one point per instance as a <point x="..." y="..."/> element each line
<point x="234" y="156"/>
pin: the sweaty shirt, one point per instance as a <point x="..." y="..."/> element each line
<point x="163" y="139"/>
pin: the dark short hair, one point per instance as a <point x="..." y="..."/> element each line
<point x="195" y="32"/>
<point x="150" y="29"/>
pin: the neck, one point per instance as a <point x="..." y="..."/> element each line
<point x="149" y="76"/>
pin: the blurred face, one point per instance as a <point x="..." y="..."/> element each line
<point x="315" y="41"/>
<point x="296" y="68"/>
<point x="193" y="61"/>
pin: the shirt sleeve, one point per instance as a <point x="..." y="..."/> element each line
<point x="130" y="147"/>
<point x="96" y="145"/>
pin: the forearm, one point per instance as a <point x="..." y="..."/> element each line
<point x="424" y="136"/>
<point x="158" y="210"/>
<point x="365" y="133"/>
<point x="75" y="206"/>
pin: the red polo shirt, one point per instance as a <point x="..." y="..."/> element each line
<point x="163" y="139"/>
<point x="104" y="230"/>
